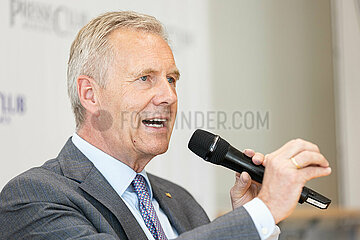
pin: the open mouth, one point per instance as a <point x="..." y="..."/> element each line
<point x="156" y="122"/>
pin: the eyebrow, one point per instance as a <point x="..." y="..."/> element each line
<point x="148" y="71"/>
<point x="176" y="72"/>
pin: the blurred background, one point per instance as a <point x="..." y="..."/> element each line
<point x="258" y="73"/>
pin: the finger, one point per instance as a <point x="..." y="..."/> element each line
<point x="249" y="152"/>
<point x="254" y="189"/>
<point x="245" y="180"/>
<point x="315" y="172"/>
<point x="258" y="158"/>
<point x="278" y="151"/>
<point x="307" y="158"/>
<point x="242" y="184"/>
<point x="257" y="184"/>
<point x="293" y="148"/>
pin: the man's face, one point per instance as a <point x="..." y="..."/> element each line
<point x="140" y="95"/>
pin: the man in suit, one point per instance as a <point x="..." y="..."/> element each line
<point x="122" y="86"/>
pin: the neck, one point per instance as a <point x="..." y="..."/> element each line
<point x="133" y="159"/>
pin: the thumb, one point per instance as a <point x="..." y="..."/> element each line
<point x="242" y="184"/>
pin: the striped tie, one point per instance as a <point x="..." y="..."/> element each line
<point x="147" y="209"/>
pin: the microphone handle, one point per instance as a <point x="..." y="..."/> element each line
<point x="256" y="172"/>
<point x="233" y="162"/>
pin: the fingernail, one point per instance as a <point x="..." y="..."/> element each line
<point x="256" y="160"/>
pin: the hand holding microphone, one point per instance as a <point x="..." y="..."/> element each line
<point x="287" y="170"/>
<point x="245" y="189"/>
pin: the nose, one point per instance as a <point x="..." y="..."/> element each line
<point x="165" y="93"/>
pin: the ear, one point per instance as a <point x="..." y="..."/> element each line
<point x="86" y="88"/>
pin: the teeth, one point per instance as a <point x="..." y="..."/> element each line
<point x="158" y="120"/>
<point x="154" y="125"/>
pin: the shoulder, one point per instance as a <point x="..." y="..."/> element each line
<point x="36" y="185"/>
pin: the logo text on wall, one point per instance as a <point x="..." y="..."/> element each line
<point x="11" y="105"/>
<point x="45" y="17"/>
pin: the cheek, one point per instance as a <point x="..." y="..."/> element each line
<point x="139" y="100"/>
<point x="174" y="109"/>
<point x="127" y="103"/>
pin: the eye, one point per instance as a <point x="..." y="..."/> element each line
<point x="171" y="79"/>
<point x="144" y="78"/>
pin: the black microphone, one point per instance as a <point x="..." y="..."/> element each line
<point x="214" y="149"/>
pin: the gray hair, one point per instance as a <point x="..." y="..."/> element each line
<point x="91" y="53"/>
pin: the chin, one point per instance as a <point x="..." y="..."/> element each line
<point x="159" y="150"/>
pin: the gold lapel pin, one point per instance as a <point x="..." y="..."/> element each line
<point x="168" y="195"/>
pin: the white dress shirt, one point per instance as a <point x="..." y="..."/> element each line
<point x="120" y="176"/>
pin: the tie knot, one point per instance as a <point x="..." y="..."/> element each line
<point x="139" y="184"/>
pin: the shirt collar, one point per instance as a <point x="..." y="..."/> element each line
<point x="117" y="173"/>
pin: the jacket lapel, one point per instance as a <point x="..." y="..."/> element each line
<point x="77" y="167"/>
<point x="170" y="206"/>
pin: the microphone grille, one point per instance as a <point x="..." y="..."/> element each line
<point x="219" y="154"/>
<point x="201" y="142"/>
